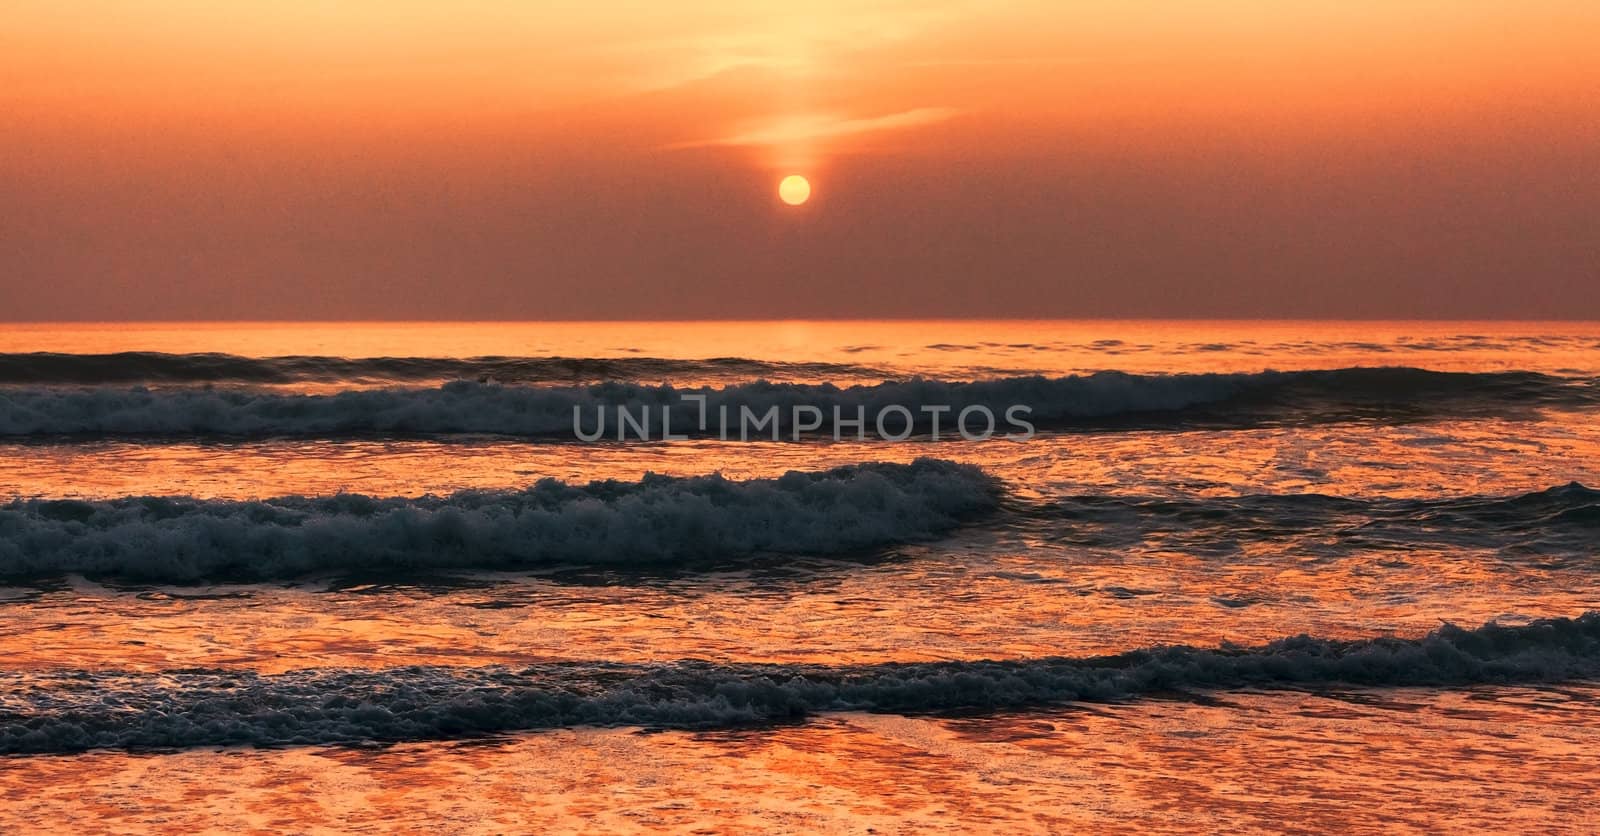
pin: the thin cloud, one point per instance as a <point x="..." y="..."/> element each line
<point x="812" y="128"/>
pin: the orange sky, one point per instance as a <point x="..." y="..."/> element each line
<point x="366" y="159"/>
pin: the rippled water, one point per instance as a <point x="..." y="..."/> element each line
<point x="238" y="597"/>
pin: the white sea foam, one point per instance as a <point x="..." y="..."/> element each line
<point x="68" y="711"/>
<point x="657" y="521"/>
<point x="1107" y="398"/>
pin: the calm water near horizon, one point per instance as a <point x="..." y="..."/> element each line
<point x="331" y="576"/>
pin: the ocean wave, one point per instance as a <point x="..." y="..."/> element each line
<point x="1564" y="519"/>
<point x="658" y="521"/>
<point x="152" y="367"/>
<point x="1099" y="401"/>
<point x="73" y="711"/>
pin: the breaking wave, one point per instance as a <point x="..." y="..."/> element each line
<point x="1103" y="400"/>
<point x="658" y="521"/>
<point x="72" y="711"/>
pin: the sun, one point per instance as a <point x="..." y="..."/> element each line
<point x="794" y="190"/>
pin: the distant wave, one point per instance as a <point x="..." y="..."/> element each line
<point x="72" y="711"/>
<point x="1104" y="400"/>
<point x="150" y="367"/>
<point x="1560" y="519"/>
<point x="654" y="522"/>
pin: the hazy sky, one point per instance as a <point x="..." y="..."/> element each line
<point x="178" y="159"/>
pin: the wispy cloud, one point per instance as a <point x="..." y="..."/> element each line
<point x="821" y="37"/>
<point x="810" y="128"/>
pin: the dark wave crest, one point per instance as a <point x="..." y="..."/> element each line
<point x="73" y="711"/>
<point x="659" y="521"/>
<point x="1108" y="400"/>
<point x="1563" y="519"/>
<point x="151" y="367"/>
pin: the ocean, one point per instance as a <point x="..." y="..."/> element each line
<point x="351" y="577"/>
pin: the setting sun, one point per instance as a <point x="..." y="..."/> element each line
<point x="794" y="190"/>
